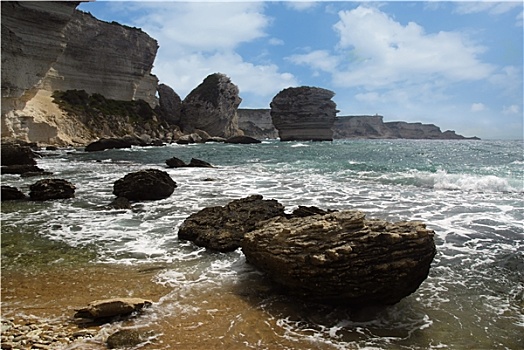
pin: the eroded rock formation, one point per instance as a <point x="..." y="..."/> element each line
<point x="343" y="258"/>
<point x="212" y="107"/>
<point x="170" y="104"/>
<point x="304" y="114"/>
<point x="48" y="46"/>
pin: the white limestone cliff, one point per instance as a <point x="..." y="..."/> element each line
<point x="48" y="46"/>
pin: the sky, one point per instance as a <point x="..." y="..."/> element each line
<point x="458" y="65"/>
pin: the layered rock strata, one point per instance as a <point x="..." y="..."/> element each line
<point x="343" y="258"/>
<point x="257" y="123"/>
<point x="304" y="114"/>
<point x="48" y="46"/>
<point x="212" y="107"/>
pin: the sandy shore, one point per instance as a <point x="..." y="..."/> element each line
<point x="44" y="302"/>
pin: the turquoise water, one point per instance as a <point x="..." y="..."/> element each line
<point x="469" y="192"/>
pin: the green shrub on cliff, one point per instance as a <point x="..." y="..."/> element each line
<point x="81" y="103"/>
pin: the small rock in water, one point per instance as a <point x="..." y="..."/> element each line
<point x="126" y="338"/>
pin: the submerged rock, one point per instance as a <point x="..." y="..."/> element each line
<point x="47" y="189"/>
<point x="149" y="184"/>
<point x="222" y="228"/>
<point x="175" y="162"/>
<point x="127" y="338"/>
<point x="304" y="114"/>
<point x="343" y="258"/>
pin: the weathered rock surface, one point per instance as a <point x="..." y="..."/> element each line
<point x="48" y="46"/>
<point x="47" y="189"/>
<point x="212" y="107"/>
<point x="222" y="228"/>
<point x="149" y="184"/>
<point x="22" y="169"/>
<point x="304" y="114"/>
<point x="10" y="193"/>
<point x="257" y="123"/>
<point x="373" y="127"/>
<point x="170" y="104"/>
<point x="242" y="140"/>
<point x="343" y="258"/>
<point x="112" y="307"/>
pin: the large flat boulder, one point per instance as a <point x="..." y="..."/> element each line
<point x="343" y="258"/>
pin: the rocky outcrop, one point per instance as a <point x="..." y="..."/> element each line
<point x="48" y="46"/>
<point x="343" y="258"/>
<point x="149" y="184"/>
<point x="304" y="114"/>
<point x="257" y="123"/>
<point x="373" y="127"/>
<point x="14" y="154"/>
<point x="170" y="104"/>
<point x="51" y="189"/>
<point x="222" y="228"/>
<point x="212" y="107"/>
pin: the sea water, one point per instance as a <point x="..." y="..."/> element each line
<point x="469" y="192"/>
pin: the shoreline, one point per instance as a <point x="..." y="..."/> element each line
<point x="38" y="305"/>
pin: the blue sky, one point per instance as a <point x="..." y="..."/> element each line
<point x="458" y="65"/>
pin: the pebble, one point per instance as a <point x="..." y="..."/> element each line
<point x="39" y="334"/>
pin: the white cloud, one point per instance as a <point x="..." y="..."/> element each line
<point x="318" y="60"/>
<point x="198" y="39"/>
<point x="301" y="5"/>
<point x="380" y="51"/>
<point x="478" y="107"/>
<point x="276" y="42"/>
<point x="491" y="7"/>
<point x="513" y="109"/>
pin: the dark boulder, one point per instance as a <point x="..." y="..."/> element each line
<point x="242" y="140"/>
<point x="51" y="189"/>
<point x="149" y="184"/>
<point x="14" y="154"/>
<point x="120" y="203"/>
<point x="222" y="228"/>
<point x="197" y="163"/>
<point x="116" y="143"/>
<point x="11" y="193"/>
<point x="342" y="258"/>
<point x="174" y="162"/>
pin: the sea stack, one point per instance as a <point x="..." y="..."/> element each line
<point x="212" y="107"/>
<point x="304" y="114"/>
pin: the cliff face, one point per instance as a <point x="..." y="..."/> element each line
<point x="49" y="46"/>
<point x="373" y="127"/>
<point x="304" y="114"/>
<point x="257" y="123"/>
